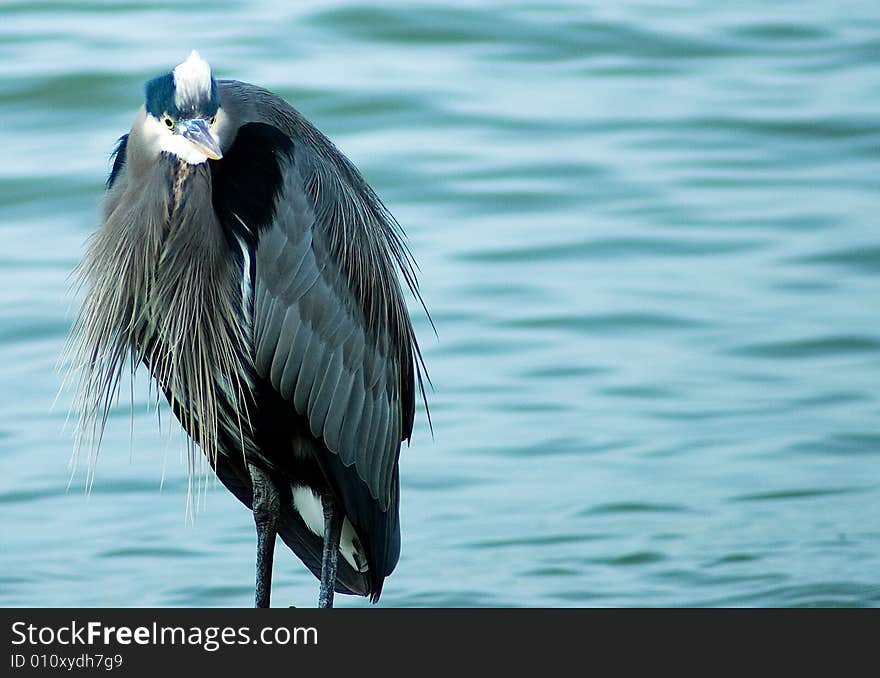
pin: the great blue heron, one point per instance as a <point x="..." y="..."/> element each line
<point x="248" y="264"/>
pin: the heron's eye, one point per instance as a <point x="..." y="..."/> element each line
<point x="169" y="123"/>
<point x="213" y="119"/>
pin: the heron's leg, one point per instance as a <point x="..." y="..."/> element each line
<point x="333" y="516"/>
<point x="266" y="506"/>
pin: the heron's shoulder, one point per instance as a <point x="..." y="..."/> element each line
<point x="245" y="104"/>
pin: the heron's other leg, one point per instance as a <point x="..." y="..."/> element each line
<point x="333" y="516"/>
<point x="266" y="506"/>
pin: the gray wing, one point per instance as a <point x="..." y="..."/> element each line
<point x="315" y="345"/>
<point x="332" y="331"/>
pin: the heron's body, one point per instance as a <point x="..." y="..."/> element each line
<point x="260" y="290"/>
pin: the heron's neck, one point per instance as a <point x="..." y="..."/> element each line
<point x="163" y="287"/>
<point x="181" y="172"/>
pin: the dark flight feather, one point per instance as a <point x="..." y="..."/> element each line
<point x="331" y="328"/>
<point x="118" y="158"/>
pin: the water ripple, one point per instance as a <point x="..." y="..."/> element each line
<point x="784" y="495"/>
<point x="648" y="237"/>
<point x="811" y="348"/>
<point x="632" y="507"/>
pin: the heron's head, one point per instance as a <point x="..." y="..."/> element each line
<point x="182" y="112"/>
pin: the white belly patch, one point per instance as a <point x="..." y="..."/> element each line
<point x="311" y="509"/>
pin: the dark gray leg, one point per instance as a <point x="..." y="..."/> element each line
<point x="266" y="507"/>
<point x="333" y="516"/>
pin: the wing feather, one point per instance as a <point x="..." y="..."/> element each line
<point x="293" y="363"/>
<point x="322" y="347"/>
<point x="322" y="395"/>
<point x="309" y="365"/>
<point x="336" y="409"/>
<point x="283" y="339"/>
<point x="267" y="328"/>
<point x="332" y="332"/>
<point x="351" y="418"/>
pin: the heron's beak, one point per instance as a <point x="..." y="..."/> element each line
<point x="198" y="134"/>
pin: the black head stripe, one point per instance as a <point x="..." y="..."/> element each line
<point x="160" y="99"/>
<point x="160" y="95"/>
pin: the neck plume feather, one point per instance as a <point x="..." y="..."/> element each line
<point x="163" y="289"/>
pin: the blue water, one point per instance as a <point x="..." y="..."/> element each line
<point x="648" y="238"/>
